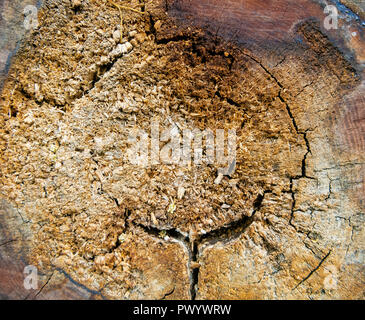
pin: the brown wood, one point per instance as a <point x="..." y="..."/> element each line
<point x="312" y="78"/>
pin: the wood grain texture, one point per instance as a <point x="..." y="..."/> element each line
<point x="269" y="25"/>
<point x="247" y="21"/>
<point x="296" y="94"/>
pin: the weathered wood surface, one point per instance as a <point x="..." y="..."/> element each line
<point x="310" y="232"/>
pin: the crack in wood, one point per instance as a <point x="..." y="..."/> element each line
<point x="192" y="243"/>
<point x="313" y="271"/>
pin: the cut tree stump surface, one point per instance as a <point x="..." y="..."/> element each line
<point x="288" y="223"/>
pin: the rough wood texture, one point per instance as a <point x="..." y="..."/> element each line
<point x="288" y="224"/>
<point x="357" y="6"/>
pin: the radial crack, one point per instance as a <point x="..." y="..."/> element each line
<point x="227" y="233"/>
<point x="314" y="270"/>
